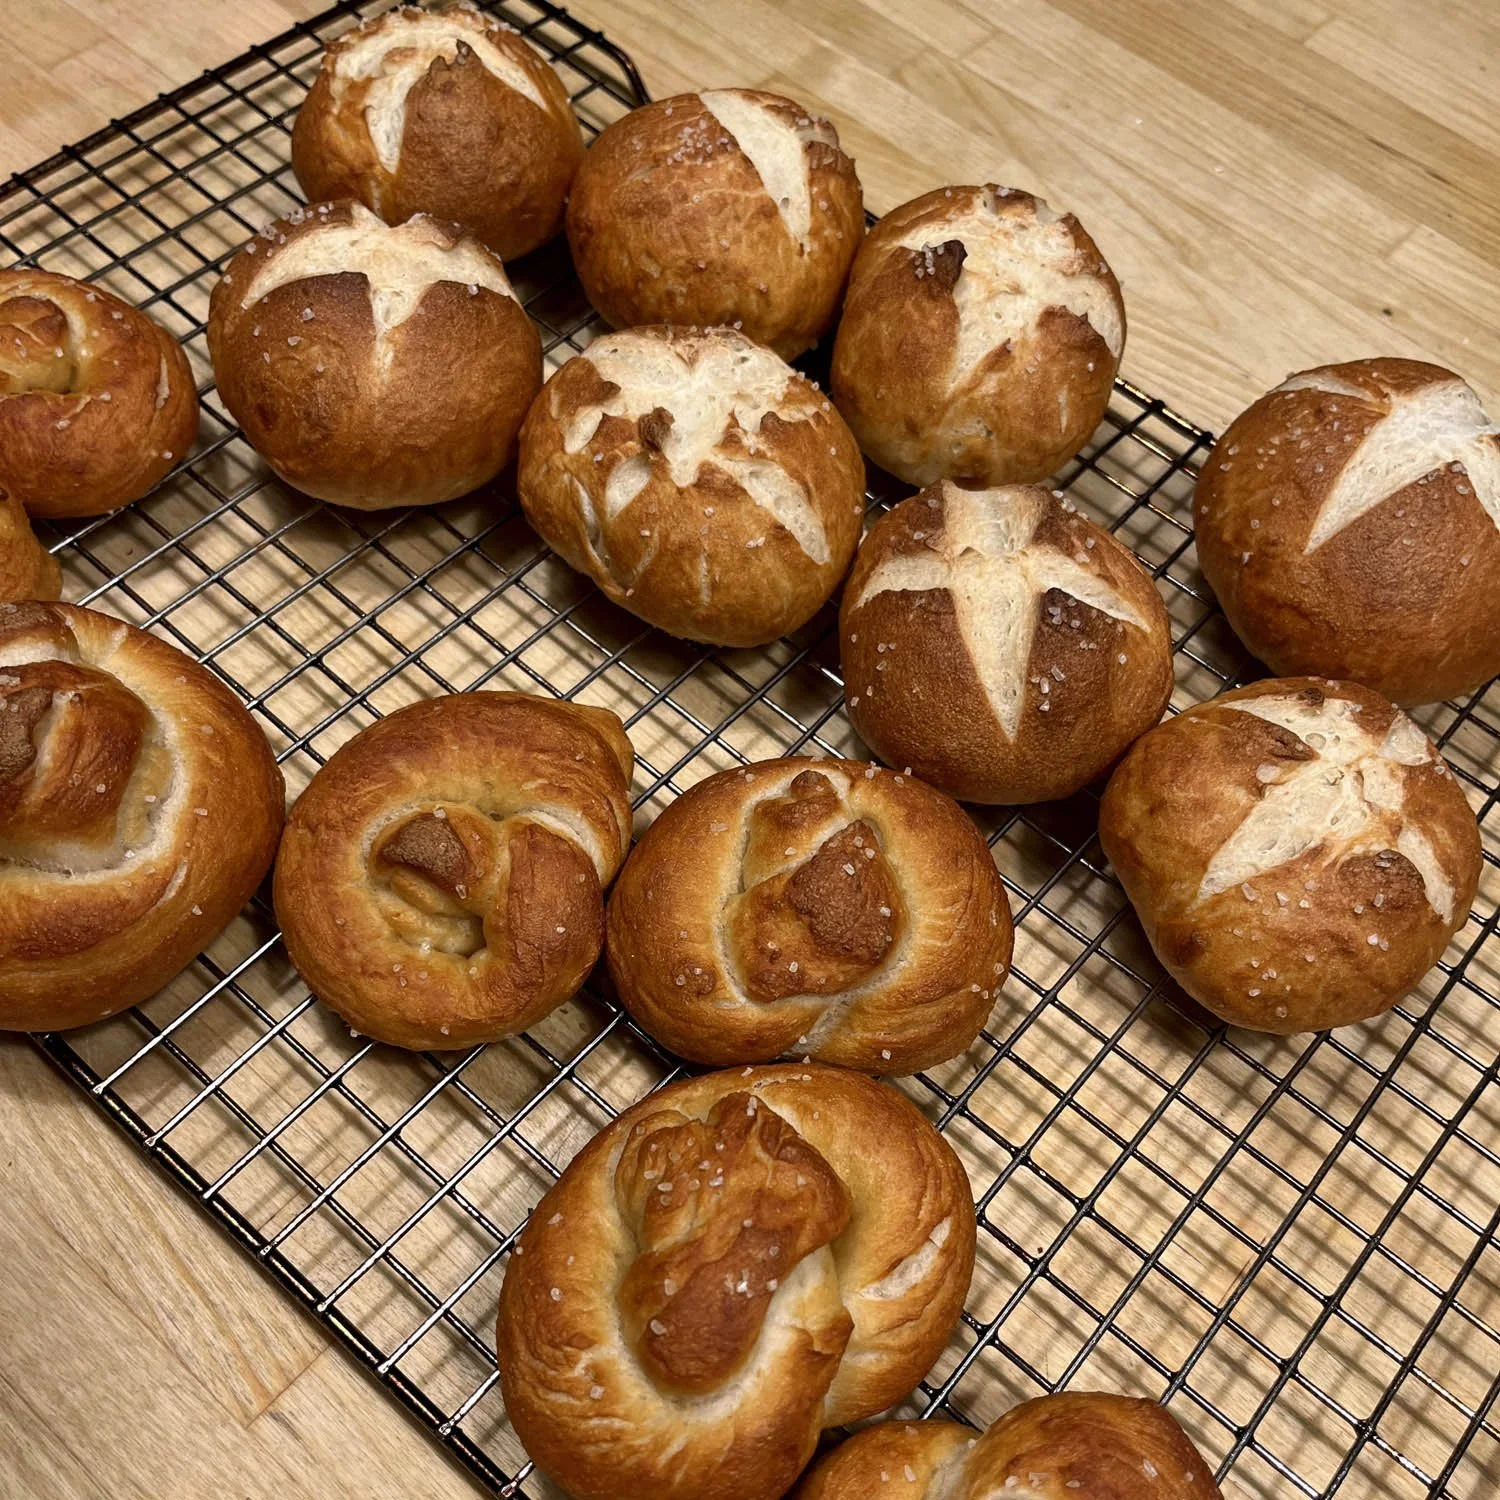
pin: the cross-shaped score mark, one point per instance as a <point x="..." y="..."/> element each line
<point x="706" y="386"/>
<point x="1014" y="269"/>
<point x="1438" y="425"/>
<point x="1346" y="795"/>
<point x="986" y="558"/>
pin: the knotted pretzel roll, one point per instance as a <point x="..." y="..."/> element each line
<point x="441" y="879"/>
<point x="97" y="402"/>
<point x="979" y="340"/>
<point x="1298" y="852"/>
<point x="445" y="112"/>
<point x="139" y="809"/>
<point x="821" y="907"/>
<point x="730" y="206"/>
<point x="1349" y="523"/>
<point x="373" y="366"/>
<point x="1001" y="645"/>
<point x="27" y="569"/>
<point x="737" y="1263"/>
<point x="698" y="479"/>
<point x="1078" y="1445"/>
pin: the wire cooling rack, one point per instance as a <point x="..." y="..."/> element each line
<point x="1292" y="1241"/>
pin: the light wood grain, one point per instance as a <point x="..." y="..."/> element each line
<point x="1278" y="183"/>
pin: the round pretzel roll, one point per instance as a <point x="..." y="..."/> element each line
<point x="821" y="907"/>
<point x="139" y="809"/>
<point x="1297" y="851"/>
<point x="979" y="340"/>
<point x="1349" y="523"/>
<point x="27" y="569"/>
<point x="1076" y="1445"/>
<point x="440" y="882"/>
<point x="334" y="340"/>
<point x="1001" y="645"/>
<point x="698" y="479"/>
<point x="733" y="1265"/>
<point x="730" y="206"/>
<point x="444" y="112"/>
<point x="97" y="402"/>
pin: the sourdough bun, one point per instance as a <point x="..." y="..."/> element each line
<point x="1000" y="645"/>
<point x="139" y="809"/>
<point x="443" y="112"/>
<point x="697" y="478"/>
<point x="738" y="1262"/>
<point x="27" y="569"/>
<point x="440" y="882"/>
<point x="1298" y="853"/>
<point x="730" y="206"/>
<point x="335" y="342"/>
<point x="97" y="402"/>
<point x="818" y="907"/>
<point x="1077" y="1445"/>
<point x="980" y="338"/>
<point x="1349" y="523"/>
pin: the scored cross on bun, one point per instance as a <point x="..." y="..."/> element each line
<point x="1349" y="523"/>
<point x="1297" y="851"/>
<point x="999" y="644"/>
<point x="735" y="1264"/>
<point x="1077" y="1445"/>
<point x="730" y="206"/>
<point x="979" y="340"/>
<point x="697" y="478"/>
<point x="444" y="112"/>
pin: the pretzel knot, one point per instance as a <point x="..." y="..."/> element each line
<point x="97" y="401"/>
<point x="733" y="1265"/>
<point x="139" y="808"/>
<point x="441" y="880"/>
<point x="826" y="908"/>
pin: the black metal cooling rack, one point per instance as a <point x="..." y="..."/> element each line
<point x="1292" y="1241"/>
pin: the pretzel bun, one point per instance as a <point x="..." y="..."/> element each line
<point x="445" y="112"/>
<point x="97" y="402"/>
<point x="980" y="338"/>
<point x="27" y="569"/>
<point x="1349" y="523"/>
<point x="1297" y="851"/>
<point x="738" y="1262"/>
<point x="730" y="206"/>
<point x="698" y="479"/>
<point x="1077" y="1445"/>
<point x="441" y="879"/>
<point x="336" y="341"/>
<point x="139" y="808"/>
<point x="821" y="907"/>
<point x="1000" y="645"/>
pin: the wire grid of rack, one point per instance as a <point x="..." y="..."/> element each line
<point x="1292" y="1241"/>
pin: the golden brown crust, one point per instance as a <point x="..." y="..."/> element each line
<point x="1401" y="596"/>
<point x="440" y="882"/>
<point x="979" y="339"/>
<point x="671" y="220"/>
<point x="27" y="569"/>
<point x="805" y="1275"/>
<point x="817" y="907"/>
<point x="1092" y="1445"/>
<point x="97" y="402"/>
<point x="474" y="148"/>
<point x="342" y="371"/>
<point x="1297" y="864"/>
<point x="139" y="809"/>
<point x="700" y="481"/>
<point x="1000" y="645"/>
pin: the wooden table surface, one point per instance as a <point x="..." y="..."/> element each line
<point x="1278" y="183"/>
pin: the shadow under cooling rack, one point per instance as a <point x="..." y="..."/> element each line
<point x="1292" y="1241"/>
